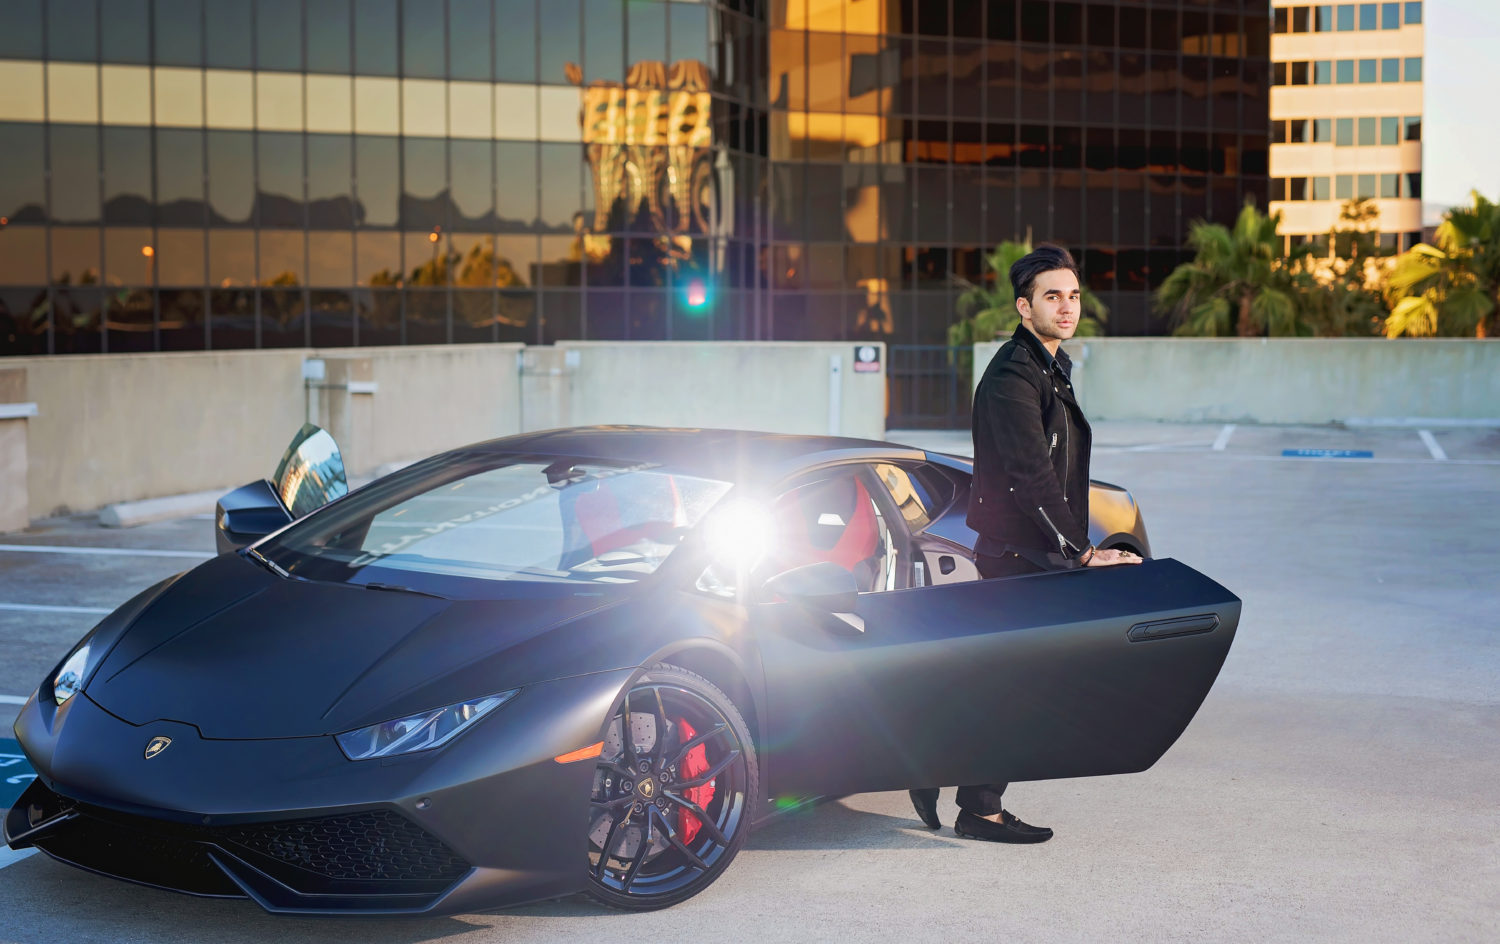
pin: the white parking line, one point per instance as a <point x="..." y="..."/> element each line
<point x="12" y="699"/>
<point x="40" y="608"/>
<point x="1223" y="439"/>
<point x="1431" y="443"/>
<point x="9" y="856"/>
<point x="120" y="551"/>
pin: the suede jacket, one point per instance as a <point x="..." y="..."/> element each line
<point x="1030" y="492"/>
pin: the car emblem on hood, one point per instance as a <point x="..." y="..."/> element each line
<point x="156" y="745"/>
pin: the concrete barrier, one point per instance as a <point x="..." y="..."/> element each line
<point x="1284" y="380"/>
<point x="129" y="427"/>
<point x="15" y="413"/>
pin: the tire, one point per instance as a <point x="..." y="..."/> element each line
<point x="643" y="850"/>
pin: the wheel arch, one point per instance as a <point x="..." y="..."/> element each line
<point x="725" y="669"/>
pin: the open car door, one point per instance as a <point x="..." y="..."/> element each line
<point x="1066" y="674"/>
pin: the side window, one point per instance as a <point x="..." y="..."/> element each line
<point x="834" y="519"/>
<point x="909" y="494"/>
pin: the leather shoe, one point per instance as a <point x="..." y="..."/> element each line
<point x="924" y="801"/>
<point x="1009" y="829"/>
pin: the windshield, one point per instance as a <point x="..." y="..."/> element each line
<point x="527" y="517"/>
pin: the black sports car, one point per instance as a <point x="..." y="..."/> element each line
<point x="585" y="660"/>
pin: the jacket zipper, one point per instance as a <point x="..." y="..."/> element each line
<point x="1062" y="542"/>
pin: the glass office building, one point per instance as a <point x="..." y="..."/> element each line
<point x="206" y="174"/>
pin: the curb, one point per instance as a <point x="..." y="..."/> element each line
<point x="133" y="513"/>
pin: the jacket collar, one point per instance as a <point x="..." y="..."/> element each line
<point x="1024" y="336"/>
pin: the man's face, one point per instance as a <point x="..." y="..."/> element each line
<point x="1053" y="310"/>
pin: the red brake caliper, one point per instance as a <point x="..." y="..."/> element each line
<point x="695" y="764"/>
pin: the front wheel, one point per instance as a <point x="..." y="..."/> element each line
<point x="672" y="792"/>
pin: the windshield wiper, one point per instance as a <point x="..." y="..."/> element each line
<point x="266" y="562"/>
<point x="397" y="588"/>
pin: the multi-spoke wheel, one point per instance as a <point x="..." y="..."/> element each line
<point x="672" y="793"/>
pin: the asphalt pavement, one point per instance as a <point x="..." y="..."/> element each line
<point x="1340" y="783"/>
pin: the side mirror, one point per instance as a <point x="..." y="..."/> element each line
<point x="311" y="473"/>
<point x="248" y="514"/>
<point x="825" y="587"/>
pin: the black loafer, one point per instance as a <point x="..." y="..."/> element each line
<point x="924" y="801"/>
<point x="1009" y="829"/>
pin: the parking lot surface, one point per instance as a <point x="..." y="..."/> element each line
<point x="1339" y="784"/>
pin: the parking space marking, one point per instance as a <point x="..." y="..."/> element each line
<point x="1432" y="445"/>
<point x="12" y="699"/>
<point x="1223" y="439"/>
<point x="9" y="856"/>
<point x="81" y="549"/>
<point x="41" y="608"/>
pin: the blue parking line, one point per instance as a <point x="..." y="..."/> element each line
<point x="15" y="773"/>
<point x="1328" y="453"/>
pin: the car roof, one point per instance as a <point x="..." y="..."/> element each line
<point x="740" y="456"/>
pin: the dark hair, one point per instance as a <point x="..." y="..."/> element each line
<point x="1044" y="258"/>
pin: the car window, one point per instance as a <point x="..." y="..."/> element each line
<point x="908" y="493"/>
<point x="529" y="518"/>
<point x="833" y="519"/>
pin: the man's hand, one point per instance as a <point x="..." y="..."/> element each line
<point x="1112" y="557"/>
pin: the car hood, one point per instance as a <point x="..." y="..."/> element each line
<point x="241" y="653"/>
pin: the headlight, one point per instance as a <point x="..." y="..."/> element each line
<point x="69" y="678"/>
<point x="419" y="732"/>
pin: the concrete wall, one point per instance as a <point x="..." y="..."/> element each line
<point x="114" y="428"/>
<point x="785" y="387"/>
<point x="1294" y="380"/>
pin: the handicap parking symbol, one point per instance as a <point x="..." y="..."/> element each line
<point x="15" y="773"/>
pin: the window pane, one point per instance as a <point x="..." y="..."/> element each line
<point x="1299" y="73"/>
<point x="1322" y="72"/>
<point x="1368" y="16"/>
<point x="231" y="177"/>
<point x="515" y="40"/>
<point x="515" y="185"/>
<point x="473" y="185"/>
<point x="469" y="32"/>
<point x="1322" y="130"/>
<point x="125" y="27"/>
<point x="1389" y="186"/>
<point x="647" y="40"/>
<point x="604" y="40"/>
<point x="1365" y="187"/>
<point x="1366" y="132"/>
<point x="1344" y="70"/>
<point x="1413" y="186"/>
<point x="21" y="29"/>
<point x="1320" y="188"/>
<point x="1346" y="17"/>
<point x="328" y="36"/>
<point x="179" y="177"/>
<point x="329" y="171"/>
<point x="1414" y="13"/>
<point x="1390" y="16"/>
<point x="559" y="39"/>
<point x="1296" y="188"/>
<point x="1344" y="129"/>
<point x="278" y="34"/>
<point x="72" y="30"/>
<point x="561" y="182"/>
<point x="23" y="195"/>
<point x="127" y="176"/>
<point x="689" y="32"/>
<point x="375" y="33"/>
<point x="1324" y="19"/>
<point x="1414" y="128"/>
<point x="179" y="38"/>
<point x="280" y="183"/>
<point x="1343" y="187"/>
<point x="1414" y="70"/>
<point x="1297" y="131"/>
<point x="229" y="34"/>
<point x="422" y="53"/>
<point x="1390" y="130"/>
<point x="424" y="185"/>
<point x="1366" y="71"/>
<point x="377" y="174"/>
<point x="1390" y="70"/>
<point x="75" y="174"/>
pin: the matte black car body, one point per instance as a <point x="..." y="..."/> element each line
<point x="250" y="674"/>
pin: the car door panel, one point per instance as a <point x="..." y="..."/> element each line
<point x="1026" y="678"/>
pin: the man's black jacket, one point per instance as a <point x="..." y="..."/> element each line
<point x="1031" y="456"/>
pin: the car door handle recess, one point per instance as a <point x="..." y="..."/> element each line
<point x="946" y="565"/>
<point x="1181" y="626"/>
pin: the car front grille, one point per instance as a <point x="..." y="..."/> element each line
<point x="379" y="845"/>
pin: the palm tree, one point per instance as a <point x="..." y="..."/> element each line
<point x="1238" y="284"/>
<point x="1451" y="289"/>
<point x="986" y="313"/>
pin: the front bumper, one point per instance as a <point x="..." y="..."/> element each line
<point x="487" y="821"/>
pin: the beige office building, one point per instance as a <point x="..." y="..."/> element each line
<point x="1346" y="116"/>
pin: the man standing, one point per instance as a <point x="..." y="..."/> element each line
<point x="1029" y="498"/>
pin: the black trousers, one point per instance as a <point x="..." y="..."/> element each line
<point x="983" y="799"/>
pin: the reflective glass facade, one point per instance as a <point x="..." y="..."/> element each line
<point x="191" y="174"/>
